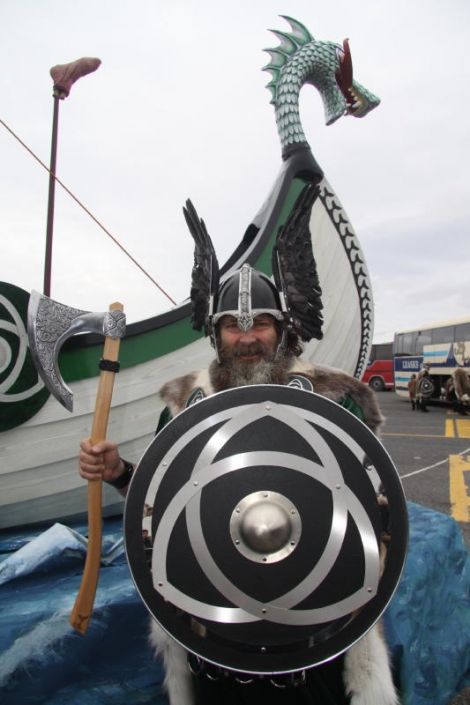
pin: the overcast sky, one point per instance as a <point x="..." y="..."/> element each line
<point x="179" y="108"/>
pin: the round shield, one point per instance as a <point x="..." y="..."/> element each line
<point x="426" y="387"/>
<point x="258" y="531"/>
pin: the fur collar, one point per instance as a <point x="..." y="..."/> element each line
<point x="334" y="384"/>
<point x="327" y="381"/>
<point x="176" y="392"/>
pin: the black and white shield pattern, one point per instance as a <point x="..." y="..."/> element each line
<point x="266" y="529"/>
<point x="426" y="387"/>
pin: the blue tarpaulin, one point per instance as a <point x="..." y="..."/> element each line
<point x="43" y="661"/>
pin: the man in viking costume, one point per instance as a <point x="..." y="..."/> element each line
<point x="257" y="328"/>
<point x="412" y="384"/>
<point x="423" y="389"/>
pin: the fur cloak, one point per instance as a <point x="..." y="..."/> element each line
<point x="367" y="674"/>
<point x="461" y="385"/>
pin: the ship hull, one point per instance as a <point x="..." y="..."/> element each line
<point x="39" y="480"/>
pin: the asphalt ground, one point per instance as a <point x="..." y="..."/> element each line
<point x="431" y="452"/>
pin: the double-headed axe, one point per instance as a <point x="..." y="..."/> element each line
<point x="50" y="324"/>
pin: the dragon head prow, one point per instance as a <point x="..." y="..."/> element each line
<point x="326" y="65"/>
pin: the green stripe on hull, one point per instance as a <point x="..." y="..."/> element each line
<point x="83" y="362"/>
<point x="264" y="261"/>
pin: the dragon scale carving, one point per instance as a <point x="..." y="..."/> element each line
<point x="301" y="59"/>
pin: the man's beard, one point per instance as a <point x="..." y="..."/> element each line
<point x="234" y="371"/>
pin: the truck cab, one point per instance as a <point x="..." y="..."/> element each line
<point x="379" y="375"/>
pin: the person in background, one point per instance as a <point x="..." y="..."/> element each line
<point x="412" y="391"/>
<point x="421" y="384"/>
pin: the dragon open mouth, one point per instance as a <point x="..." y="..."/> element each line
<point x="357" y="104"/>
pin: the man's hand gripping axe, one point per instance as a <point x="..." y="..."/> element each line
<point x="50" y="324"/>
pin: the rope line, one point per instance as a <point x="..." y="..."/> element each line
<point x="431" y="467"/>
<point x="67" y="190"/>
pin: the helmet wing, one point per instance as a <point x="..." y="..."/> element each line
<point x="205" y="272"/>
<point x="295" y="269"/>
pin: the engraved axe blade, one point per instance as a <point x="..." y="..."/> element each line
<point x="50" y="324"/>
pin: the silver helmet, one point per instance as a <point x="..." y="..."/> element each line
<point x="246" y="294"/>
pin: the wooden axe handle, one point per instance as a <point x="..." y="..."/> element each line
<point x="81" y="613"/>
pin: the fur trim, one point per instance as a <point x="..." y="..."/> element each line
<point x="367" y="674"/>
<point x="176" y="392"/>
<point x="327" y="381"/>
<point x="203" y="381"/>
<point x="335" y="384"/>
<point x="178" y="679"/>
<point x="462" y="384"/>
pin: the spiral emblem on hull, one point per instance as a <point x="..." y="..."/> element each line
<point x="22" y="392"/>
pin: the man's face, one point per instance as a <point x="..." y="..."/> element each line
<point x="258" y="343"/>
<point x="249" y="357"/>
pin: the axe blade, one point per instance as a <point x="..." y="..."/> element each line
<point x="50" y="324"/>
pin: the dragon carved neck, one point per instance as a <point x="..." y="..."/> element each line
<point x="301" y="59"/>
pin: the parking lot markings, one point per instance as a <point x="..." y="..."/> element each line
<point x="463" y="428"/>
<point x="459" y="496"/>
<point x="450" y="428"/>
